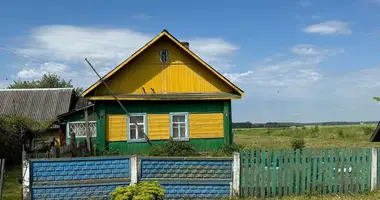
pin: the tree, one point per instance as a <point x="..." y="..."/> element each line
<point x="376" y="98"/>
<point x="50" y="80"/>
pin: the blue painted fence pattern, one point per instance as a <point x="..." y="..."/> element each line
<point x="203" y="169"/>
<point x="97" y="177"/>
<point x="82" y="191"/>
<point x="189" y="177"/>
<point x="70" y="178"/>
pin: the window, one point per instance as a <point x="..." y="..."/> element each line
<point x="179" y="126"/>
<point x="164" y="56"/>
<point x="79" y="129"/>
<point x="136" y="133"/>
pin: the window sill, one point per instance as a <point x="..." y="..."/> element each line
<point x="181" y="140"/>
<point x="136" y="141"/>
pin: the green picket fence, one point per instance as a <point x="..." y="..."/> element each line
<point x="271" y="173"/>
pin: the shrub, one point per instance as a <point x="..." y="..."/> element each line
<point x="340" y="133"/>
<point x="140" y="191"/>
<point x="314" y="131"/>
<point x="14" y="133"/>
<point x="229" y="149"/>
<point x="368" y="130"/>
<point x="298" y="143"/>
<point x="173" y="148"/>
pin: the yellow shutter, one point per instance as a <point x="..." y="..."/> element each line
<point x="116" y="128"/>
<point x="158" y="126"/>
<point x="206" y="125"/>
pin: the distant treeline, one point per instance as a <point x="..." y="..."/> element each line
<point x="291" y="124"/>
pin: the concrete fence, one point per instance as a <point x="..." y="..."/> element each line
<point x="96" y="177"/>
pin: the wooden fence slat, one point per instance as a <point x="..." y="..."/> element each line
<point x="246" y="174"/>
<point x="314" y="174"/>
<point x="2" y="163"/>
<point x="297" y="188"/>
<point x="269" y="179"/>
<point x="325" y="171"/>
<point x="331" y="170"/>
<point x="369" y="163"/>
<point x="336" y="168"/>
<point x="348" y="171"/>
<point x="320" y="171"/>
<point x="280" y="173"/>
<point x="263" y="160"/>
<point x="352" y="173"/>
<point x="253" y="171"/>
<point x="303" y="177"/>
<point x="291" y="174"/>
<point x="258" y="172"/>
<point x="286" y="172"/>
<point x="362" y="170"/>
<point x="358" y="170"/>
<point x="274" y="174"/>
<point x="309" y="169"/>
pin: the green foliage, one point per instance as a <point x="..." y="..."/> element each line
<point x="227" y="150"/>
<point x="368" y="130"/>
<point x="314" y="132"/>
<point x="14" y="132"/>
<point x="340" y="133"/>
<point x="140" y="191"/>
<point x="376" y="98"/>
<point x="298" y="143"/>
<point x="173" y="148"/>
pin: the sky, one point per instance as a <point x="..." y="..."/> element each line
<point x="296" y="60"/>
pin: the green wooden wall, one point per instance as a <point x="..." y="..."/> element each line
<point x="162" y="107"/>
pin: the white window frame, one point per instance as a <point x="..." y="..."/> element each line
<point x="79" y="122"/>
<point x="167" y="55"/>
<point x="186" y="126"/>
<point x="129" y="127"/>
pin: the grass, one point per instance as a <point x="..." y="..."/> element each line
<point x="364" y="196"/>
<point x="315" y="137"/>
<point x="12" y="187"/>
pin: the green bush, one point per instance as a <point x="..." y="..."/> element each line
<point x="16" y="132"/>
<point x="298" y="143"/>
<point x="368" y="130"/>
<point x="340" y="133"/>
<point x="140" y="191"/>
<point x="173" y="148"/>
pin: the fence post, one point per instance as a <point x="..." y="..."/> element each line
<point x="2" y="162"/>
<point x="236" y="175"/>
<point x="374" y="169"/>
<point x="134" y="170"/>
<point x="25" y="177"/>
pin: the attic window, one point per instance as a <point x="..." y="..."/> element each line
<point x="164" y="56"/>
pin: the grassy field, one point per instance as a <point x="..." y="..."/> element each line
<point x="319" y="137"/>
<point x="12" y="187"/>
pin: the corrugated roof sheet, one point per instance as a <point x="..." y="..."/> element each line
<point x="39" y="104"/>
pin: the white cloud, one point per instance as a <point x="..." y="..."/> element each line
<point x="334" y="27"/>
<point x="311" y="50"/>
<point x="215" y="51"/>
<point x="376" y="2"/>
<point x="65" y="47"/>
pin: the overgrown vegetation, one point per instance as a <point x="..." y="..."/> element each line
<point x="314" y="136"/>
<point x="141" y="191"/>
<point x="14" y="132"/>
<point x="173" y="148"/>
<point x="298" y="143"/>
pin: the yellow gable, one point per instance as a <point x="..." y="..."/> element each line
<point x="144" y="74"/>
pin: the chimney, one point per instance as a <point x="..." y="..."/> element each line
<point x="186" y="44"/>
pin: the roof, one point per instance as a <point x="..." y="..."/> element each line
<point x="162" y="34"/>
<point x="76" y="109"/>
<point x="375" y="137"/>
<point x="171" y="96"/>
<point x="42" y="104"/>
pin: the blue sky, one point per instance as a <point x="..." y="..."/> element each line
<point x="301" y="60"/>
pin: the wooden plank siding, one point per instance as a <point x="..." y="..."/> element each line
<point x="116" y="126"/>
<point x="206" y="125"/>
<point x="158" y="126"/>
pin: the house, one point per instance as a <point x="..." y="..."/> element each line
<point x="40" y="104"/>
<point x="169" y="92"/>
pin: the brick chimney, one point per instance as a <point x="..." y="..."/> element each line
<point x="186" y="44"/>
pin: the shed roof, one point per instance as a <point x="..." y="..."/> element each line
<point x="42" y="104"/>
